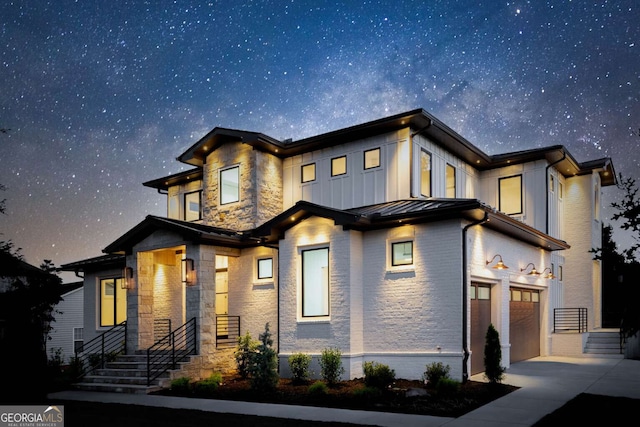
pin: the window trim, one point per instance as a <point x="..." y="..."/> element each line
<point x="392" y="260"/>
<point x="423" y="152"/>
<point x="334" y="159"/>
<point x="237" y="195"/>
<point x="302" y="284"/>
<point x="184" y="198"/>
<point x="364" y="158"/>
<point x="302" y="169"/>
<point x="500" y="180"/>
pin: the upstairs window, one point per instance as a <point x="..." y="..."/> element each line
<point x="372" y="158"/>
<point x="510" y="195"/>
<point x="425" y="173"/>
<point x="309" y="172"/>
<point x="339" y="166"/>
<point x="192" y="206"/>
<point x="451" y="182"/>
<point x="230" y="185"/>
<point x="113" y="302"/>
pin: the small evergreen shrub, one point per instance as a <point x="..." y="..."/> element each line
<point x="378" y="375"/>
<point x="299" y="366"/>
<point x="366" y="393"/>
<point x="264" y="367"/>
<point x="493" y="369"/>
<point x="245" y="350"/>
<point x="447" y="387"/>
<point x="318" y="388"/>
<point x="181" y="385"/>
<point x="331" y="365"/>
<point x="208" y="385"/>
<point x="435" y="371"/>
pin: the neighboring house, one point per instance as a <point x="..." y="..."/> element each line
<point x="384" y="240"/>
<point x="66" y="334"/>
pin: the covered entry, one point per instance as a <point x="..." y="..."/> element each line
<point x="524" y="320"/>
<point x="480" y="294"/>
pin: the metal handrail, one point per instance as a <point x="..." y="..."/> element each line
<point x="171" y="349"/>
<point x="227" y="330"/>
<point x="570" y="319"/>
<point x="102" y="349"/>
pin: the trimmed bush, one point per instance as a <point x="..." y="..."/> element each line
<point x="447" y="387"/>
<point x="264" y="366"/>
<point x="299" y="366"/>
<point x="318" y="388"/>
<point x="208" y="385"/>
<point x="378" y="375"/>
<point x="367" y="392"/>
<point x="331" y="365"/>
<point x="244" y="353"/>
<point x="493" y="369"/>
<point x="181" y="385"/>
<point x="435" y="371"/>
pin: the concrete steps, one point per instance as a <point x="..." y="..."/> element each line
<point x="603" y="344"/>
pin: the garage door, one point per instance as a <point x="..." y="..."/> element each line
<point x="524" y="319"/>
<point x="480" y="296"/>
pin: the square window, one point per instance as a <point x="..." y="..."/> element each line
<point x="192" y="206"/>
<point x="265" y="268"/>
<point x="230" y="185"/>
<point x="372" y="158"/>
<point x="402" y="253"/>
<point x="516" y="295"/>
<point x="535" y="297"/>
<point x="425" y="173"/>
<point x="309" y="172"/>
<point x="339" y="166"/>
<point x="510" y="197"/>
<point x="484" y="292"/>
<point x="315" y="282"/>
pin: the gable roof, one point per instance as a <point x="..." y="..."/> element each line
<point x="419" y="122"/>
<point x="410" y="211"/>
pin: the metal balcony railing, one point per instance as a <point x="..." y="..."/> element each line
<point x="570" y="320"/>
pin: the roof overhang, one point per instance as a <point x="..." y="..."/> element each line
<point x="175" y="179"/>
<point x="102" y="262"/>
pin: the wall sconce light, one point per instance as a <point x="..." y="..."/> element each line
<point x="499" y="265"/>
<point x="188" y="272"/>
<point x="127" y="282"/>
<point x="533" y="271"/>
<point x="550" y="275"/>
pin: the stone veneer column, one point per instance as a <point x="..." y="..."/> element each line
<point x="200" y="299"/>
<point x="141" y="326"/>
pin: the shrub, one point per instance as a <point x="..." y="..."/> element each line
<point x="245" y="351"/>
<point x="299" y="365"/>
<point x="331" y="365"/>
<point x="318" y="388"/>
<point x="435" y="371"/>
<point x="378" y="375"/>
<point x="447" y="387"/>
<point x="208" y="385"/>
<point x="493" y="370"/>
<point x="181" y="385"/>
<point x="367" y="392"/>
<point x="264" y="366"/>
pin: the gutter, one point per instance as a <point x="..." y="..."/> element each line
<point x="465" y="287"/>
<point x="546" y="177"/>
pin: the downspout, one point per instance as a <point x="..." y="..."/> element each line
<point x="411" y="136"/>
<point x="465" y="320"/>
<point x="546" y="176"/>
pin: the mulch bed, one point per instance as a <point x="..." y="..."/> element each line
<point x="349" y="395"/>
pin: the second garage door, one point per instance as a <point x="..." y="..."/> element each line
<point x="524" y="319"/>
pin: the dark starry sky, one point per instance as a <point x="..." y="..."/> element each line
<point x="100" y="96"/>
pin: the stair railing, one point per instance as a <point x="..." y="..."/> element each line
<point x="171" y="349"/>
<point x="102" y="349"/>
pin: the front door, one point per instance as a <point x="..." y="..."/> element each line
<point x="222" y="296"/>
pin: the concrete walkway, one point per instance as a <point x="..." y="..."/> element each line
<point x="546" y="384"/>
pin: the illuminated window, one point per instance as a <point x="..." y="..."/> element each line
<point x="230" y="185"/>
<point x="113" y="302"/>
<point x="596" y="201"/>
<point x="192" y="206"/>
<point x="173" y="207"/>
<point x="372" y="158"/>
<point x="309" y="172"/>
<point x="451" y="182"/>
<point x="516" y="295"/>
<point x="425" y="173"/>
<point x="560" y="190"/>
<point x="510" y="196"/>
<point x="402" y="253"/>
<point x="315" y="282"/>
<point x="265" y="268"/>
<point x="339" y="166"/>
<point x="552" y="183"/>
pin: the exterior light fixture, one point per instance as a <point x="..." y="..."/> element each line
<point x="188" y="272"/>
<point x="499" y="265"/>
<point x="533" y="271"/>
<point x="127" y="282"/>
<point x="549" y="275"/>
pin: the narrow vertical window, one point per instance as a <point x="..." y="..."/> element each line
<point x="173" y="207"/>
<point x="113" y="302"/>
<point x="230" y="185"/>
<point x="309" y="172"/>
<point x="78" y="339"/>
<point x="451" y="182"/>
<point x="372" y="158"/>
<point x="510" y="197"/>
<point x="315" y="282"/>
<point x="339" y="166"/>
<point x="192" y="206"/>
<point x="402" y="253"/>
<point x="425" y="173"/>
<point x="265" y="268"/>
<point x="596" y="201"/>
<point x="552" y="184"/>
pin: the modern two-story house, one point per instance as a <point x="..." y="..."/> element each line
<point x="396" y="241"/>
